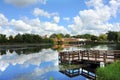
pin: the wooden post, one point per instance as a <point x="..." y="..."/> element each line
<point x="78" y="55"/>
<point x="104" y="57"/>
<point x="69" y="56"/>
<point x="88" y="55"/>
<point x="82" y="55"/>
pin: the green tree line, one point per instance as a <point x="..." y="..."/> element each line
<point x="113" y="36"/>
<point x="24" y="38"/>
<point x="33" y="38"/>
<point x="102" y="37"/>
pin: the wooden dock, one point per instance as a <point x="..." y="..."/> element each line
<point x="87" y="61"/>
<point x="95" y="56"/>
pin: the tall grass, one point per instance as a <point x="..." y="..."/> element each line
<point x="110" y="72"/>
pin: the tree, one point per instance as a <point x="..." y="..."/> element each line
<point x="113" y="36"/>
<point x="18" y="38"/>
<point x="86" y="36"/>
<point x="67" y="36"/>
<point x="3" y="38"/>
<point x="11" y="39"/>
<point x="103" y="37"/>
<point x="53" y="36"/>
<point x="94" y="38"/>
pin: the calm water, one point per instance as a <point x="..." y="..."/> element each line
<point x="38" y="63"/>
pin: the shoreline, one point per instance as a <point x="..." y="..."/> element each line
<point x="9" y="46"/>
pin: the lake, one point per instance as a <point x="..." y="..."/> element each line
<point x="40" y="63"/>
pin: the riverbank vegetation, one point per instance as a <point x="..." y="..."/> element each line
<point x="110" y="37"/>
<point x="24" y="39"/>
<point x="110" y="72"/>
<point x="107" y="38"/>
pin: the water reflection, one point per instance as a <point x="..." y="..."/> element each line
<point x="42" y="64"/>
<point x="80" y="69"/>
<point x="87" y="47"/>
<point x="24" y="49"/>
<point x="22" y="64"/>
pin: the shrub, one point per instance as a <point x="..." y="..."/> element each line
<point x="110" y="72"/>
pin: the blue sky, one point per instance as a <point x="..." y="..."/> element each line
<point x="45" y="17"/>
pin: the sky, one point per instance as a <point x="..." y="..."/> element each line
<point x="45" y="17"/>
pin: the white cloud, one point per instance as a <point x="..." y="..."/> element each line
<point x="114" y="5"/>
<point x="56" y="19"/>
<point x="95" y="19"/>
<point x="4" y="29"/>
<point x="95" y="3"/>
<point x="114" y="27"/>
<point x="41" y="12"/>
<point x="19" y="25"/>
<point x="7" y="31"/>
<point x="52" y="27"/>
<point x="3" y="20"/>
<point x="66" y="18"/>
<point x="43" y="28"/>
<point x="22" y="3"/>
<point x="33" y="26"/>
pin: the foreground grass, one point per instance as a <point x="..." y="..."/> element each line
<point x="110" y="72"/>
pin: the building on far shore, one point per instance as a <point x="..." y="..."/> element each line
<point x="70" y="40"/>
<point x="45" y="36"/>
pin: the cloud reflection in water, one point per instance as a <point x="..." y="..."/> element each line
<point x="47" y="57"/>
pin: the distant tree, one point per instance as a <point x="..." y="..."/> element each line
<point x="3" y="38"/>
<point x="78" y="36"/>
<point x="11" y="39"/>
<point x="113" y="36"/>
<point x="53" y="36"/>
<point x="59" y="36"/>
<point x="103" y="37"/>
<point x="118" y="36"/>
<point x="31" y="38"/>
<point x="67" y="36"/>
<point x="18" y="38"/>
<point x="85" y="36"/>
<point x="37" y="39"/>
<point x="94" y="38"/>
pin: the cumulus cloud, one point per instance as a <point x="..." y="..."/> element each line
<point x="3" y="20"/>
<point x="95" y="3"/>
<point x="43" y="28"/>
<point x="114" y="5"/>
<point x="56" y="19"/>
<point x="4" y="29"/>
<point x="33" y="26"/>
<point x="41" y="12"/>
<point x="96" y="18"/>
<point x="19" y="25"/>
<point x="52" y="27"/>
<point x="22" y="3"/>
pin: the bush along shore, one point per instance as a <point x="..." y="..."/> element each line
<point x="24" y="39"/>
<point x="110" y="72"/>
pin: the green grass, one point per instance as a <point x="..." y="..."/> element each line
<point x="110" y="72"/>
<point x="51" y="78"/>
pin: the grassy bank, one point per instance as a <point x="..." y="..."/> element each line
<point x="110" y="72"/>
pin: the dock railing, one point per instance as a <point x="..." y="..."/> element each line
<point x="106" y="56"/>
